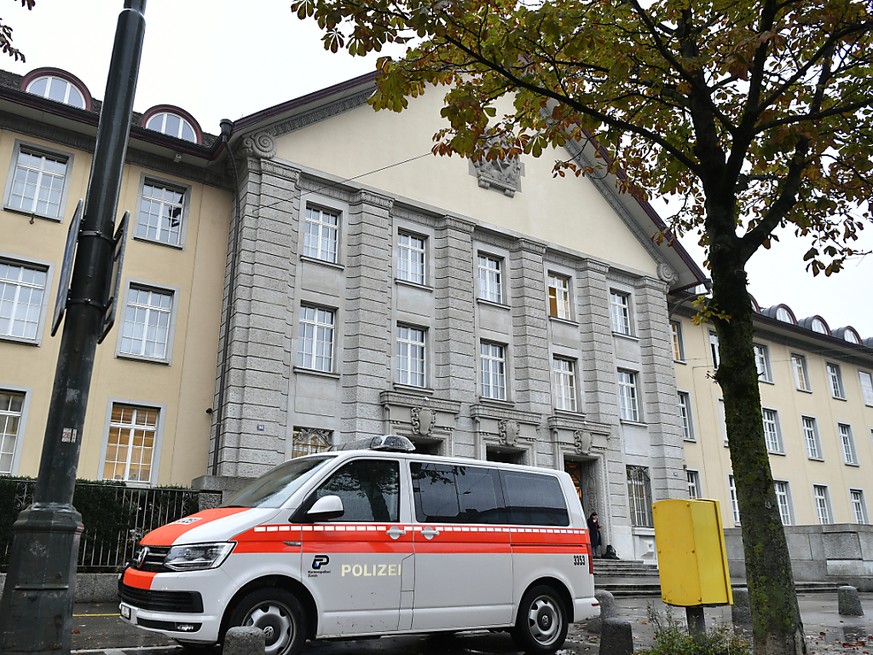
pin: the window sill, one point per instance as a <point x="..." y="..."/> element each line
<point x="803" y="390"/>
<point x="680" y="361"/>
<point x="815" y="459"/>
<point x="763" y="381"/>
<point x="626" y="337"/>
<point x="491" y="303"/>
<point x="774" y="452"/>
<point x="19" y="340"/>
<point x="639" y="424"/>
<point x="853" y="464"/>
<point x="413" y="285"/>
<point x="143" y="358"/>
<point x="155" y="242"/>
<point x="564" y="321"/>
<point x="315" y="372"/>
<point x="496" y="402"/>
<point x="33" y="215"/>
<point x="643" y="531"/>
<point x="411" y="388"/>
<point x="570" y="413"/>
<point x="322" y="262"/>
<point x="842" y="398"/>
<point x="689" y="440"/>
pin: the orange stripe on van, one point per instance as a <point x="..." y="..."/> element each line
<point x="167" y="535"/>
<point x="138" y="579"/>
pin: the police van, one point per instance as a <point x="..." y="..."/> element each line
<point x="367" y="542"/>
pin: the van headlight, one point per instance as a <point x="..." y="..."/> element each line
<point x="197" y="557"/>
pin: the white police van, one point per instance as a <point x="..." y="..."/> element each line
<point x="371" y="542"/>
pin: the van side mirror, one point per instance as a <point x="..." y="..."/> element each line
<point x="326" y="508"/>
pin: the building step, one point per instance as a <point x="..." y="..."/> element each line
<point x="651" y="586"/>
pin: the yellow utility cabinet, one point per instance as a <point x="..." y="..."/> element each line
<point x="691" y="553"/>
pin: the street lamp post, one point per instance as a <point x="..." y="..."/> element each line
<point x="37" y="605"/>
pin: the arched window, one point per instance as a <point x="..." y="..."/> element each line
<point x="851" y="336"/>
<point x="818" y="325"/>
<point x="172" y="124"/>
<point x="784" y="314"/>
<point x="57" y="89"/>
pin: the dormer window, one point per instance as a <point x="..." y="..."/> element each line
<point x="57" y="89"/>
<point x="851" y="336"/>
<point x="173" y="125"/>
<point x="818" y="325"/>
<point x="784" y="314"/>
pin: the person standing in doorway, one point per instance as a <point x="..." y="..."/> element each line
<point x="594" y="534"/>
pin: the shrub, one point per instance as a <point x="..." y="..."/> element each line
<point x="672" y="638"/>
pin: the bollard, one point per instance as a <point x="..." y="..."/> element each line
<point x="244" y="641"/>
<point x="741" y="611"/>
<point x="848" y="602"/>
<point x="607" y="610"/>
<point x="616" y="637"/>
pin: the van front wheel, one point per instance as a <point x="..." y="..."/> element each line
<point x="276" y="612"/>
<point x="541" y="626"/>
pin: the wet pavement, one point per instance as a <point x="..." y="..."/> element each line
<point x="97" y="630"/>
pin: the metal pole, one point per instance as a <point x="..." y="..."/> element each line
<point x="37" y="605"/>
<point x="696" y="622"/>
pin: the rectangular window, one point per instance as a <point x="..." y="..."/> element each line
<point x="822" y="503"/>
<point x="22" y="289"/>
<point x="493" y="362"/>
<point x="866" y="387"/>
<point x="639" y="492"/>
<point x="564" y="381"/>
<point x="685" y="416"/>
<point x="559" y="296"/>
<point x="411" y="260"/>
<point x="38" y="183"/>
<point x="772" y="432"/>
<point x="723" y="416"/>
<point x="131" y="444"/>
<point x="619" y="306"/>
<point x="836" y="379"/>
<point x="762" y="363"/>
<point x="146" y="329"/>
<point x="678" y="343"/>
<point x="810" y="437"/>
<point x="629" y="407"/>
<point x="713" y="349"/>
<point x="488" y="270"/>
<point x="161" y="213"/>
<point x="859" y="507"/>
<point x="801" y="377"/>
<point x="693" y="484"/>
<point x="735" y="503"/>
<point x="11" y="403"/>
<point x="315" y="344"/>
<point x="783" y="501"/>
<point x="848" y="443"/>
<point x="410" y="356"/>
<point x="308" y="441"/>
<point x="321" y="235"/>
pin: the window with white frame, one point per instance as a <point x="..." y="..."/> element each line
<point x="713" y="349"/>
<point x="11" y="404"/>
<point x="130" y="447"/>
<point x="822" y="503"/>
<point x="147" y="319"/>
<point x="58" y="89"/>
<point x="866" y="387"/>
<point x="315" y="338"/>
<point x="783" y="502"/>
<point x="411" y="258"/>
<point x="620" y="311"/>
<point x="835" y="377"/>
<point x="848" y="443"/>
<point x="490" y="276"/>
<point x="629" y="407"/>
<point x="492" y="360"/>
<point x="22" y="290"/>
<point x="172" y="124"/>
<point x="410" y="356"/>
<point x="678" y="343"/>
<point x="772" y="431"/>
<point x="639" y="492"/>
<point x="762" y="363"/>
<point x="810" y="437"/>
<point x="564" y="383"/>
<point x="559" y="296"/>
<point x="859" y="507"/>
<point x="38" y="182"/>
<point x="735" y="503"/>
<point x="723" y="417"/>
<point x="161" y="213"/>
<point x="693" y="483"/>
<point x="685" y="416"/>
<point x="321" y="234"/>
<point x="309" y="441"/>
<point x="801" y="376"/>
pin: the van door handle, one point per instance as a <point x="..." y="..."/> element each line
<point x="394" y="532"/>
<point x="429" y="533"/>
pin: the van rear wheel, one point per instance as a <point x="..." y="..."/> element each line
<point x="541" y="626"/>
<point x="276" y="612"/>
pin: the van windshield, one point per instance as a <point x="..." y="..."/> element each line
<point x="275" y="487"/>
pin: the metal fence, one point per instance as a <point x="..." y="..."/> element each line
<point x="115" y="519"/>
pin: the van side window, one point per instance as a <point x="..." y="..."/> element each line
<point x="534" y="499"/>
<point x="369" y="489"/>
<point x="457" y="494"/>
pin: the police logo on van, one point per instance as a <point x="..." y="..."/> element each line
<point x="319" y="565"/>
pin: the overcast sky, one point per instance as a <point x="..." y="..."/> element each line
<point x="228" y="58"/>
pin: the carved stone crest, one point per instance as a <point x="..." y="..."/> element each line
<point x="423" y="420"/>
<point x="582" y="441"/>
<point x="509" y="431"/>
<point x="502" y="174"/>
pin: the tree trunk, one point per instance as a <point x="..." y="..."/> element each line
<point x="776" y="623"/>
